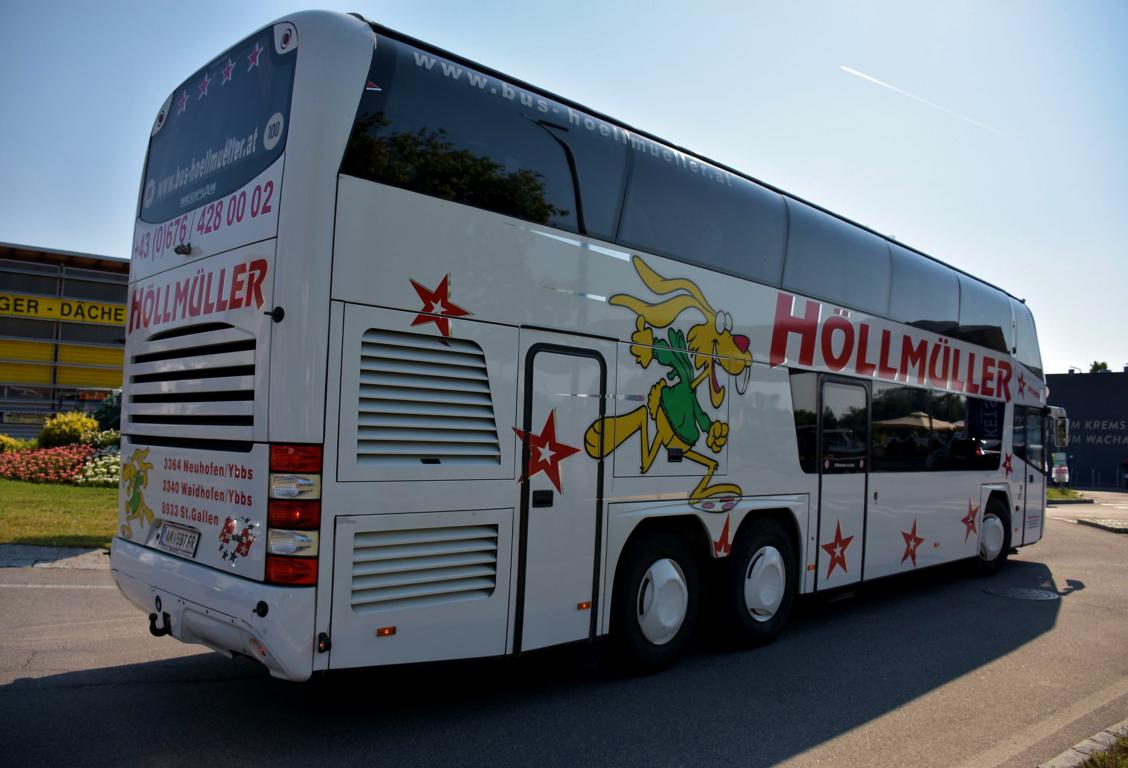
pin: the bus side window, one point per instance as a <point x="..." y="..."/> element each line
<point x="906" y="438"/>
<point x="1018" y="435"/>
<point x="1035" y="451"/>
<point x="985" y="430"/>
<point x="804" y="401"/>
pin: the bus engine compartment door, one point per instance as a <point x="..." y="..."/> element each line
<point x="561" y="491"/>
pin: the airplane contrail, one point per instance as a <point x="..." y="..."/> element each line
<point x="895" y="89"/>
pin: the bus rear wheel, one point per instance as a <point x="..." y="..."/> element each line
<point x="994" y="538"/>
<point x="760" y="582"/>
<point x="656" y="602"/>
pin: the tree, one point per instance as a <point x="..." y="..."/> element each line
<point x="1098" y="366"/>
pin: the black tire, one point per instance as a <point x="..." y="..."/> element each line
<point x="989" y="567"/>
<point x="633" y="650"/>
<point x="754" y="547"/>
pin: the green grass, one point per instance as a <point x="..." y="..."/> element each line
<point x="56" y="515"/>
<point x="1056" y="494"/>
<point x="1117" y="757"/>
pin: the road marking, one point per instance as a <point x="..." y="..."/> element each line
<point x="57" y="586"/>
<point x="1021" y="741"/>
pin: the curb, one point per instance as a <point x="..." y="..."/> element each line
<point x="1112" y="526"/>
<point x="1097" y="743"/>
<point x="1057" y="502"/>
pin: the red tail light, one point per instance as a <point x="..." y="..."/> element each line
<point x="286" y="517"/>
<point x="291" y="571"/>
<point x="295" y="515"/>
<point x="295" y="458"/>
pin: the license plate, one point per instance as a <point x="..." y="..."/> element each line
<point x="182" y="541"/>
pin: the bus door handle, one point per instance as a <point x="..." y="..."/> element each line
<point x="542" y="498"/>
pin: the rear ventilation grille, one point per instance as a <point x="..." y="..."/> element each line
<point x="194" y="379"/>
<point x="394" y="570"/>
<point x="424" y="400"/>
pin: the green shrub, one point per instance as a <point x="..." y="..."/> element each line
<point x="108" y="412"/>
<point x="66" y="429"/>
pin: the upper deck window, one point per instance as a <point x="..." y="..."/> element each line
<point x="222" y="127"/>
<point x="682" y="207"/>
<point x="1026" y="338"/>
<point x="831" y="259"/>
<point x="985" y="315"/>
<point x="439" y="128"/>
<point x="925" y="294"/>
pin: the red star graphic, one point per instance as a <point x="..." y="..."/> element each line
<point x="203" y="86"/>
<point x="437" y="302"/>
<point x="969" y="519"/>
<point x="1007" y="465"/>
<point x="837" y="549"/>
<point x="722" y="546"/>
<point x="182" y="102"/>
<point x="227" y="71"/>
<point x="1021" y="384"/>
<point x="912" y="541"/>
<point x="546" y="452"/>
<point x="253" y="57"/>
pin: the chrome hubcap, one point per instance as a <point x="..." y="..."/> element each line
<point x="991" y="538"/>
<point x="663" y="601"/>
<point x="765" y="582"/>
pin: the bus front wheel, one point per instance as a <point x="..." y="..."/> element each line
<point x="656" y="602"/>
<point x="994" y="538"/>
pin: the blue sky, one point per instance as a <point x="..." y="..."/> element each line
<point x="995" y="136"/>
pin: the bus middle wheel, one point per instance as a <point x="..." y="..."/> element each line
<point x="656" y="602"/>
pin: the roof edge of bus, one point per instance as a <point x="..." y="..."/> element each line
<point x="431" y="48"/>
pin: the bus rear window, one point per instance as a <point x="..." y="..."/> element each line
<point x="223" y="126"/>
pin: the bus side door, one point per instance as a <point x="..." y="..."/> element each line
<point x="843" y="453"/>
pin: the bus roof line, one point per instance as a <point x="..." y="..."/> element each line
<point x="431" y="48"/>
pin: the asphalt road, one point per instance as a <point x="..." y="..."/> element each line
<point x="931" y="670"/>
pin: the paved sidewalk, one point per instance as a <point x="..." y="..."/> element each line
<point x="1108" y="511"/>
<point x="24" y="556"/>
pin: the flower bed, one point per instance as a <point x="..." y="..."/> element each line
<point x="48" y="465"/>
<point x="88" y="458"/>
<point x="101" y="470"/>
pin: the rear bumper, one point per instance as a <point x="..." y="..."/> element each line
<point x="215" y="609"/>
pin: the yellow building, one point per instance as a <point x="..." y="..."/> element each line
<point x="62" y="333"/>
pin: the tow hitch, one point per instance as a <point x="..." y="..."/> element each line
<point x="156" y="631"/>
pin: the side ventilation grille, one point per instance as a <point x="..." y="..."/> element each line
<point x="394" y="570"/>
<point x="424" y="400"/>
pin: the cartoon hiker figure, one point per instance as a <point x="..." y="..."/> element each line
<point x="672" y="407"/>
<point x="135" y="472"/>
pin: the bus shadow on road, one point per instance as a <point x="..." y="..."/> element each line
<point x="845" y="661"/>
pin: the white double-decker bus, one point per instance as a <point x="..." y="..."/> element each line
<point x="426" y="363"/>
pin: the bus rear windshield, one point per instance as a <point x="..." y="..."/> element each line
<point x="224" y="125"/>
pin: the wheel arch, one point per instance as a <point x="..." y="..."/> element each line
<point x="787" y="520"/>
